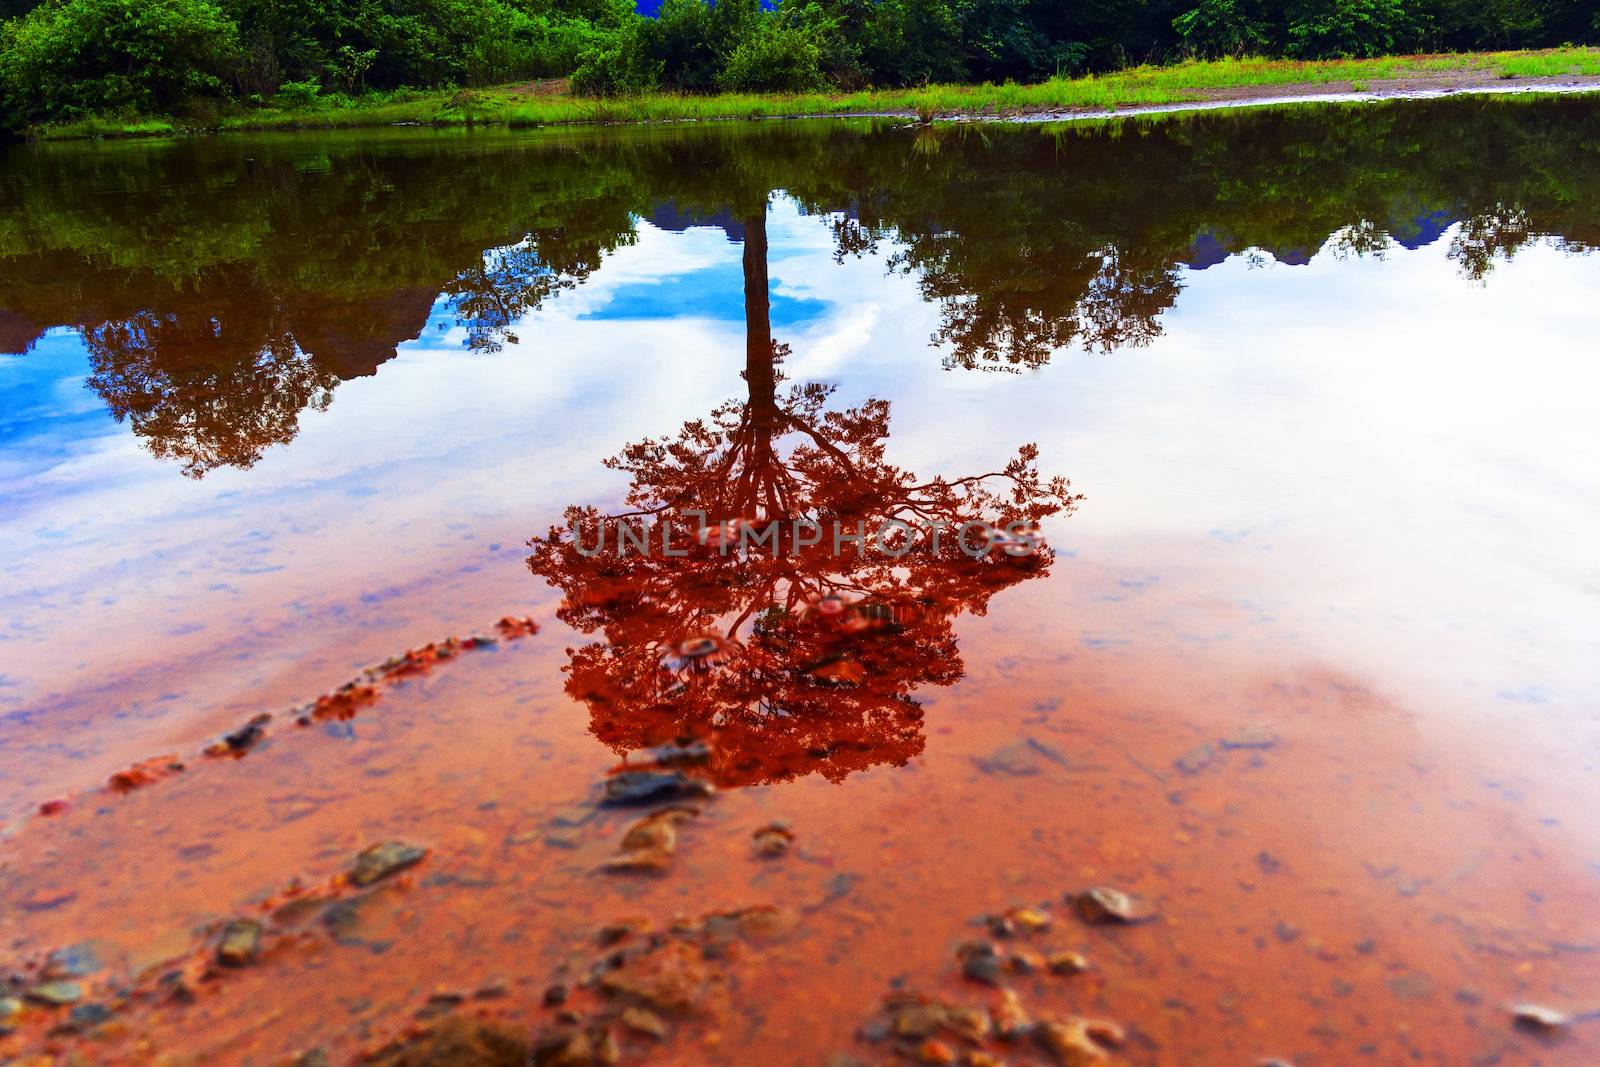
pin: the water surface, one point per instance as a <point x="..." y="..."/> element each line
<point x="1310" y="667"/>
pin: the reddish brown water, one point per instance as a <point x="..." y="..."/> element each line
<point x="1310" y="670"/>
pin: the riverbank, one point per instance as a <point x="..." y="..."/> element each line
<point x="1221" y="82"/>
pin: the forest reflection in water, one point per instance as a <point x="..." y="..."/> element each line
<point x="223" y="288"/>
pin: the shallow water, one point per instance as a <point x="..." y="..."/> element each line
<point x="1311" y="668"/>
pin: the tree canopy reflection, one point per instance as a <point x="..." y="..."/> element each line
<point x="225" y="287"/>
<point x="803" y="656"/>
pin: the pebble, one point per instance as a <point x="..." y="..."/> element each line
<point x="243" y="739"/>
<point x="650" y="843"/>
<point x="1106" y="1032"/>
<point x="571" y="1047"/>
<point x="612" y="932"/>
<point x="672" y="980"/>
<point x="563" y="837"/>
<point x="85" y="1017"/>
<point x="1067" y="963"/>
<point x="916" y="1019"/>
<point x="457" y="1040"/>
<point x="1010" y="1018"/>
<point x="980" y="962"/>
<point x="56" y="993"/>
<point x="73" y="961"/>
<point x="773" y="840"/>
<point x="1196" y="759"/>
<point x="1537" y="1018"/>
<point x="1255" y="735"/>
<point x="1015" y="760"/>
<point x="240" y="942"/>
<point x="1069" y="1044"/>
<point x="379" y="861"/>
<point x="1024" y="962"/>
<point x="1104" y="905"/>
<point x="649" y="787"/>
<point x="643" y="1021"/>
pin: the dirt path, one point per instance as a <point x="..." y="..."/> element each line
<point x="1445" y="83"/>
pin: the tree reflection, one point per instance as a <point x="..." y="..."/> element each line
<point x="202" y="391"/>
<point x="800" y="655"/>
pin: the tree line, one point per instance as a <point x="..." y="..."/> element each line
<point x="66" y="59"/>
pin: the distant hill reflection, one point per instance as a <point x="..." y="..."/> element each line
<point x="222" y="287"/>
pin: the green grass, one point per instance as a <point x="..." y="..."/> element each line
<point x="1136" y="87"/>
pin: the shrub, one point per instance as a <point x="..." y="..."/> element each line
<point x="298" y="94"/>
<point x="773" y="58"/>
<point x="619" y="65"/>
<point x="71" y="58"/>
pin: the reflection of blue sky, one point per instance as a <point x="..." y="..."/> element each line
<point x="1407" y="490"/>
<point x="712" y="293"/>
<point x="47" y="405"/>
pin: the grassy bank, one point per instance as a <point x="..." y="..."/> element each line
<point x="539" y="104"/>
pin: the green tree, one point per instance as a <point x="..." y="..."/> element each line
<point x="1225" y="28"/>
<point x="1326" y="29"/>
<point x="69" y="58"/>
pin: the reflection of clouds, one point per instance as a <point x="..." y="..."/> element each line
<point x="1408" y="452"/>
<point x="438" y="455"/>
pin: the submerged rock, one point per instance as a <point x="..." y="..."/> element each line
<point x="73" y="961"/>
<point x="980" y="961"/>
<point x="1103" y="905"/>
<point x="568" y="1046"/>
<point x="650" y="843"/>
<point x="1010" y="1018"/>
<point x="241" y="740"/>
<point x="912" y="1017"/>
<point x="773" y="840"/>
<point x="459" y="1042"/>
<point x="644" y="1021"/>
<point x="1018" y="759"/>
<point x="1196" y="759"/>
<point x="240" y="942"/>
<point x="1067" y="963"/>
<point x="377" y="862"/>
<point x="1069" y="1044"/>
<point x="56" y="993"/>
<point x="1255" y="735"/>
<point x="674" y="979"/>
<point x="1538" y="1019"/>
<point x="650" y="787"/>
<point x="85" y="1017"/>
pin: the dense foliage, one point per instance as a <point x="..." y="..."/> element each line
<point x="64" y="59"/>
